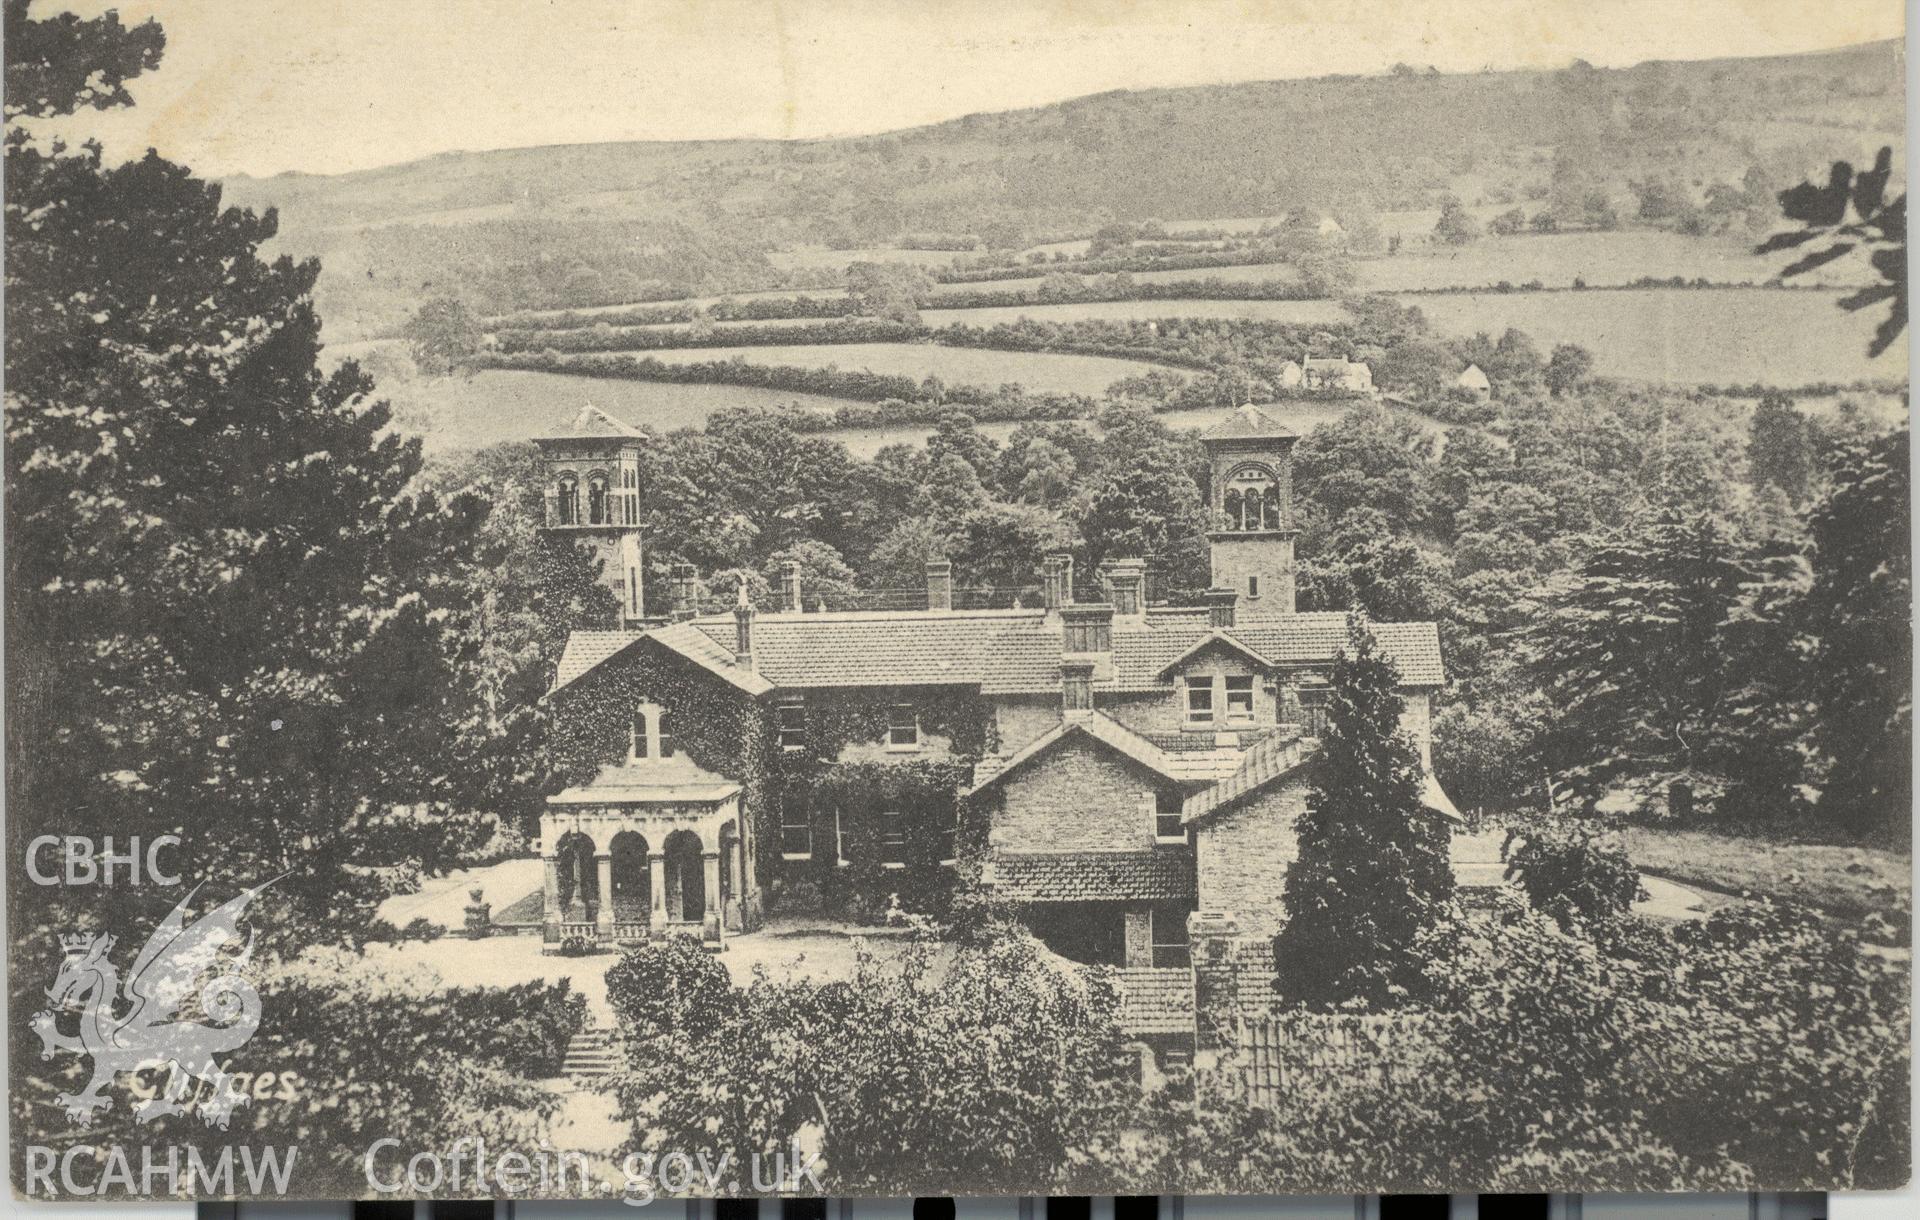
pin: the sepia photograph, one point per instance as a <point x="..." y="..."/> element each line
<point x="648" y="599"/>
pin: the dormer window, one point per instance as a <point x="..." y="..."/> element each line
<point x="567" y="501"/>
<point x="597" y="500"/>
<point x="1239" y="698"/>
<point x="1200" y="700"/>
<point x="903" y="727"/>
<point x="648" y="737"/>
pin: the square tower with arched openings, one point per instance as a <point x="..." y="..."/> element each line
<point x="1250" y="523"/>
<point x="591" y="476"/>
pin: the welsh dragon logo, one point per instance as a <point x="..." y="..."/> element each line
<point x="181" y="963"/>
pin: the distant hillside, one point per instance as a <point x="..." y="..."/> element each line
<point x="590" y="224"/>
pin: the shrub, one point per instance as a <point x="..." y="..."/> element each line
<point x="1565" y="874"/>
<point x="670" y="987"/>
<point x="795" y="896"/>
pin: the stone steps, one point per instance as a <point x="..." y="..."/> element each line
<point x="592" y="1055"/>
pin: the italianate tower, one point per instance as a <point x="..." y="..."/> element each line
<point x="591" y="476"/>
<point x="1250" y="524"/>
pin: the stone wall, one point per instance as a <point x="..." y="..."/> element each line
<point x="1243" y="856"/>
<point x="1077" y="796"/>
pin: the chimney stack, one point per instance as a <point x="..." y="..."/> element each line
<point x="681" y="588"/>
<point x="1126" y="588"/>
<point x="791" y="574"/>
<point x="939" y="584"/>
<point x="1076" y="688"/>
<point x="1087" y="628"/>
<point x="1220" y="603"/>
<point x="1058" y="581"/>
<point x="743" y="630"/>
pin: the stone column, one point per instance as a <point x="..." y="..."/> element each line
<point x="603" y="872"/>
<point x="736" y="892"/>
<point x="657" y="890"/>
<point x="550" y="907"/>
<point x="1139" y="940"/>
<point x="710" y="924"/>
<point x="1216" y="996"/>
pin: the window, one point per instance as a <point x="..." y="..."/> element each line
<point x="1240" y="698"/>
<point x="1313" y="710"/>
<point x="663" y="740"/>
<point x="893" y="838"/>
<point x="903" y="727"/>
<point x="1167" y="826"/>
<point x="1170" y="936"/>
<point x="567" y="501"/>
<point x="638" y="735"/>
<point x="790" y="721"/>
<point x="633" y="590"/>
<point x="796" y="830"/>
<point x="947" y="840"/>
<point x="597" y="500"/>
<point x="1253" y="586"/>
<point x="1200" y="700"/>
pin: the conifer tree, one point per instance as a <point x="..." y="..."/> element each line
<point x="1372" y="875"/>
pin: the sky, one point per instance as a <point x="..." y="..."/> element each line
<point x="326" y="86"/>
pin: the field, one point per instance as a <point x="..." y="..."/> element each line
<point x="837" y="260"/>
<point x="1041" y="371"/>
<point x="492" y="407"/>
<point x="1704" y="337"/>
<point x="1600" y="259"/>
<point x="1266" y="311"/>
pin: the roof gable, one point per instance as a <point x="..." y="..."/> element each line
<point x="1215" y="639"/>
<point x="587" y="651"/>
<point x="1095" y="727"/>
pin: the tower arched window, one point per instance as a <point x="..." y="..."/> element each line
<point x="1251" y="500"/>
<point x="597" y="500"/>
<point x="567" y="501"/>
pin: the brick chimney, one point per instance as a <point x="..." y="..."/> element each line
<point x="1216" y="991"/>
<point x="1126" y="588"/>
<point x="743" y="630"/>
<point x="1076" y="688"/>
<point x="1220" y="603"/>
<point x="939" y="584"/>
<point x="790" y="577"/>
<point x="681" y="590"/>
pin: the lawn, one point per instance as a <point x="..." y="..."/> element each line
<point x="1708" y="336"/>
<point x="1845" y="881"/>
<point x="1040" y="371"/>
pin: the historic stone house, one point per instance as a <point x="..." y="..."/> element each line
<point x="1111" y="766"/>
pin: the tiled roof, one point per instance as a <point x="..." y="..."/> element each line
<point x="676" y="779"/>
<point x="1268" y="760"/>
<point x="1161" y="874"/>
<point x="1101" y="728"/>
<point x="1001" y="651"/>
<point x="1155" y="1000"/>
<point x="586" y="650"/>
<point x="1222" y="638"/>
<point x="1247" y="424"/>
<point x="594" y="424"/>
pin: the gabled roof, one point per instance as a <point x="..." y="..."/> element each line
<point x="1210" y="640"/>
<point x="588" y="650"/>
<point x="594" y="424"/>
<point x="1247" y="424"/>
<point x="1266" y="761"/>
<point x="1092" y="725"/>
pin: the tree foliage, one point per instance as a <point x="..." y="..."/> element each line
<point x="1878" y="227"/>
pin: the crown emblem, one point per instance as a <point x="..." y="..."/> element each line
<point x="74" y="944"/>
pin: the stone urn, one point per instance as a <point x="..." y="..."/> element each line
<point x="479" y="915"/>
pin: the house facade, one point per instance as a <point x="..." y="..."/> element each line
<point x="1108" y="765"/>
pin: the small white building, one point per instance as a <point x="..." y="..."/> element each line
<point x="1338" y="373"/>
<point x="1474" y="381"/>
<point x="1288" y="377"/>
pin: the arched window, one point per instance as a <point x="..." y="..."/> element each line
<point x="1251" y="500"/>
<point x="597" y="500"/>
<point x="640" y="735"/>
<point x="567" y="501"/>
<point x="648" y="737"/>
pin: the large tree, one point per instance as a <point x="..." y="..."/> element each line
<point x="1861" y="609"/>
<point x="225" y="611"/>
<point x="1372" y="879"/>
